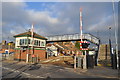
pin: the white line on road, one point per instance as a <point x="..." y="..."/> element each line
<point x="33" y="76"/>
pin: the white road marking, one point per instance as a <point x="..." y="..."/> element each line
<point x="22" y="72"/>
<point x="61" y="69"/>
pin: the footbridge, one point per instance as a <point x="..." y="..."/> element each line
<point x="73" y="37"/>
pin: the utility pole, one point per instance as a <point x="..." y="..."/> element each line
<point x="80" y="37"/>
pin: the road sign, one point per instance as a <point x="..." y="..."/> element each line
<point x="9" y="43"/>
<point x="84" y="45"/>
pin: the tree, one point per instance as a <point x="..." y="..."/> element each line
<point x="77" y="44"/>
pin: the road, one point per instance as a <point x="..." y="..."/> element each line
<point x="22" y="70"/>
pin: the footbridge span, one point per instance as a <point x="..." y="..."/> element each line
<point x="73" y="37"/>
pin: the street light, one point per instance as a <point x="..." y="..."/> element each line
<point x="110" y="32"/>
<point x="110" y="44"/>
<point x="110" y="40"/>
<point x="113" y="56"/>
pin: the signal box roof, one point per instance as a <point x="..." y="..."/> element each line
<point x="28" y="34"/>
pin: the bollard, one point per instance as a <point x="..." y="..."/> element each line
<point x="74" y="62"/>
<point x="27" y="57"/>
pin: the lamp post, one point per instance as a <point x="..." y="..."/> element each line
<point x="110" y="45"/>
<point x="116" y="32"/>
<point x="110" y="32"/>
<point x="113" y="55"/>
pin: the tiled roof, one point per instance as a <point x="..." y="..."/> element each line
<point x="49" y="44"/>
<point x="29" y="35"/>
<point x="62" y="46"/>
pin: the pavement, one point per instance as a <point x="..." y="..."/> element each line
<point x="15" y="69"/>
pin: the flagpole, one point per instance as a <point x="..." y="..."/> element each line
<point x="32" y="34"/>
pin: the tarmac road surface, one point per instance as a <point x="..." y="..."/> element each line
<point x="18" y="70"/>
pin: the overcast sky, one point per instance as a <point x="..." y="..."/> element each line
<point x="56" y="18"/>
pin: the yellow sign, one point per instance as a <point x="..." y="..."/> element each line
<point x="9" y="43"/>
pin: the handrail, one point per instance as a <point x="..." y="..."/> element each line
<point x="89" y="37"/>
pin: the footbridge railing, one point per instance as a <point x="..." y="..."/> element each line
<point x="73" y="37"/>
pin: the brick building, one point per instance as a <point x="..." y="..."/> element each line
<point x="26" y="46"/>
<point x="7" y="47"/>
